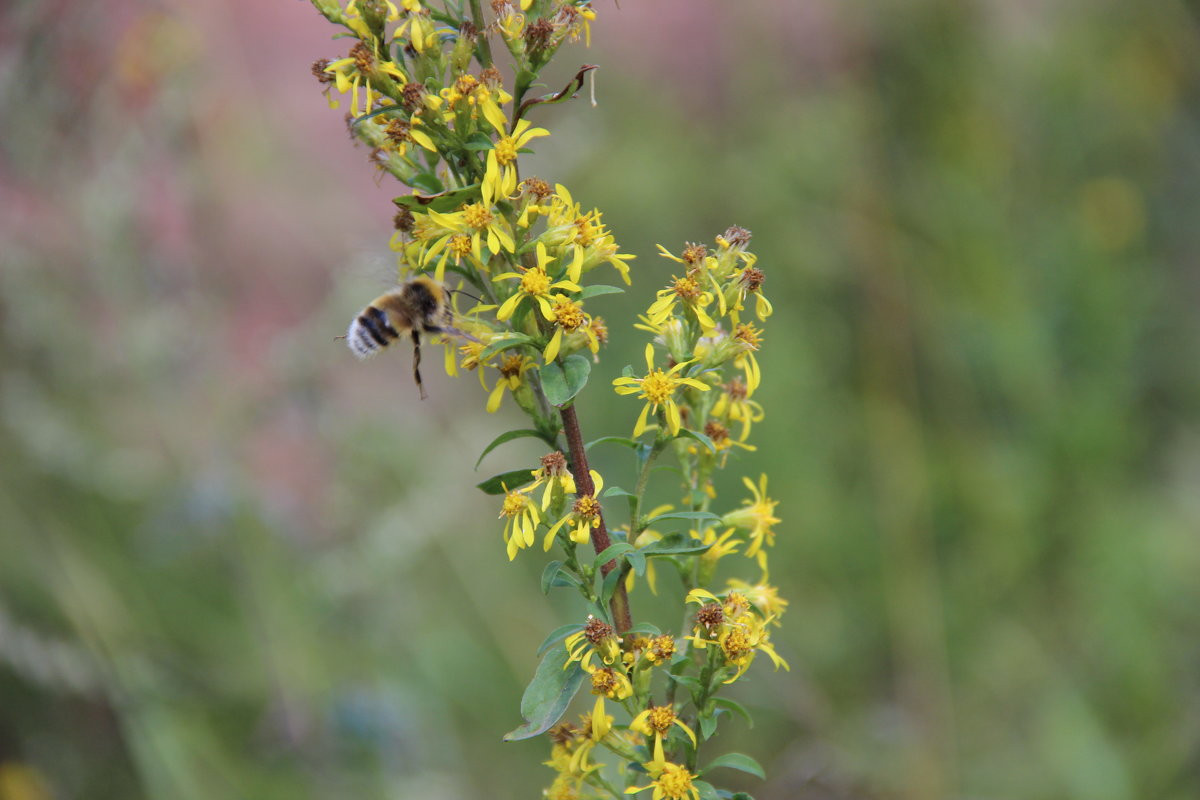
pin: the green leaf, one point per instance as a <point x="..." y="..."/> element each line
<point x="615" y="491"/>
<point x="554" y="575"/>
<point x="497" y="483"/>
<point x="696" y="515"/>
<point x="734" y="706"/>
<point x="557" y="635"/>
<point x="427" y="182"/>
<point x="645" y="629"/>
<point x="739" y="761"/>
<point x="637" y="561"/>
<point x="707" y="790"/>
<point x="478" y="141"/>
<point x="693" y="684"/>
<point x="708" y="726"/>
<point x="548" y="694"/>
<point x="611" y="552"/>
<point x="599" y="289"/>
<point x="507" y="437"/>
<point x="675" y="545"/>
<point x="507" y="343"/>
<point x="441" y="201"/>
<point x="562" y="382"/>
<point x="699" y="437"/>
<point x="609" y="587"/>
<point x="621" y="440"/>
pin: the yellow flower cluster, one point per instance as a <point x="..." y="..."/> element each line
<point x="427" y="98"/>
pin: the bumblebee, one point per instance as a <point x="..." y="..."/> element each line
<point x="421" y="305"/>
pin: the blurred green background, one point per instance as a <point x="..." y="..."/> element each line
<point x="234" y="563"/>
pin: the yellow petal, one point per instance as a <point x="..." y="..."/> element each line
<point x="551" y="350"/>
<point x="640" y="427"/>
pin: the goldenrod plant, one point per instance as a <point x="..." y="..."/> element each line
<point x="518" y="262"/>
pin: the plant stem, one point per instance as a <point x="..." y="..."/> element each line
<point x="601" y="541"/>
<point x="483" y="48"/>
<point x="639" y="491"/>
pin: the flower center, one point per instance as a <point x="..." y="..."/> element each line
<point x="604" y="681"/>
<point x="511" y="366"/>
<point x="460" y="244"/>
<point x="687" y="288"/>
<point x="716" y="431"/>
<point x="586" y="507"/>
<point x="752" y="278"/>
<point x="568" y="315"/>
<point x="555" y="463"/>
<point x="661" y="718"/>
<point x="693" y="254"/>
<point x="675" y="782"/>
<point x="506" y="151"/>
<point x="597" y="630"/>
<point x="657" y="387"/>
<point x="586" y="230"/>
<point x="514" y="503"/>
<point x="363" y="60"/>
<point x="465" y="84"/>
<point x="748" y="335"/>
<point x="477" y="216"/>
<point x="535" y="282"/>
<point x="661" y="648"/>
<point x="737" y="645"/>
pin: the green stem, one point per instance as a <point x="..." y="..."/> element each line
<point x="639" y="490"/>
<point x="483" y="48"/>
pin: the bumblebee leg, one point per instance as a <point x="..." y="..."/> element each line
<point x="416" y="339"/>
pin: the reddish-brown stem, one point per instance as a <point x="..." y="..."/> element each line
<point x="601" y="541"/>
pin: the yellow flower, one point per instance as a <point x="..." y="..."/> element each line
<point x="660" y="649"/>
<point x="672" y="782"/>
<point x="466" y="230"/>
<point x="512" y="369"/>
<point x="735" y="405"/>
<point x="500" y="178"/>
<point x="536" y="284"/>
<point x="749" y="339"/>
<point x="597" y="638"/>
<point x="419" y="29"/>
<point x="730" y="626"/>
<point x="584" y="516"/>
<point x="656" y="721"/>
<point x="568" y="318"/>
<point x="554" y="473"/>
<point x="361" y="69"/>
<point x="610" y="682"/>
<point x="521" y="518"/>
<point x="740" y="641"/>
<point x="718" y="548"/>
<point x="722" y="441"/>
<point x="747" y="281"/>
<point x="762" y="596"/>
<point x="757" y="517"/>
<point x="658" y="389"/>
<point x="566" y="224"/>
<point x="576" y="19"/>
<point x="688" y="291"/>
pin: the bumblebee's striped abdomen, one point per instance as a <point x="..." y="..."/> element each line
<point x="370" y="332"/>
